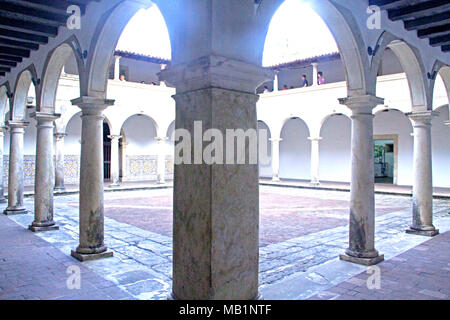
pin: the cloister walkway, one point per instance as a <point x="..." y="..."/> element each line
<point x="298" y="260"/>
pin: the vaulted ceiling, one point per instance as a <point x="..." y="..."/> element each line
<point x="429" y="18"/>
<point x="27" y="24"/>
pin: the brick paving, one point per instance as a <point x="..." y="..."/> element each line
<point x="422" y="273"/>
<point x="300" y="230"/>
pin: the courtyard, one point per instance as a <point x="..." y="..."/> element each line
<point x="302" y="233"/>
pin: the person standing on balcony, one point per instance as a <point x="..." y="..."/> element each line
<point x="320" y="78"/>
<point x="304" y="81"/>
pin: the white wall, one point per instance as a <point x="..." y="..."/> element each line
<point x="396" y="123"/>
<point x="295" y="151"/>
<point x="139" y="134"/>
<point x="441" y="149"/>
<point x="72" y="144"/>
<point x="335" y="149"/>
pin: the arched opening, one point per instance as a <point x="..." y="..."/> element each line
<point x="440" y="135"/>
<point x="393" y="147"/>
<point x="335" y="149"/>
<point x="141" y="152"/>
<point x="295" y="150"/>
<point x="72" y="149"/>
<point x="312" y="37"/>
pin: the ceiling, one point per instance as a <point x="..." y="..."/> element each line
<point x="27" y="24"/>
<point x="430" y="19"/>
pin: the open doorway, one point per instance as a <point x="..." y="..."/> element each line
<point x="106" y="152"/>
<point x="384" y="161"/>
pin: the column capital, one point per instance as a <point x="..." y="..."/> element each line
<point x="275" y="139"/>
<point x="3" y="129"/>
<point x="92" y="105"/>
<point x="161" y="139"/>
<point x="115" y="136"/>
<point x="60" y="135"/>
<point x="43" y="116"/>
<point x="447" y="123"/>
<point x="215" y="71"/>
<point x="17" y="124"/>
<point x="315" y="138"/>
<point x="422" y="118"/>
<point x="361" y="104"/>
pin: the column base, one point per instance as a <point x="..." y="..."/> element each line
<point x="59" y="189"/>
<point x="426" y="233"/>
<point x="362" y="261"/>
<point x="91" y="256"/>
<point x="43" y="229"/>
<point x="314" y="184"/>
<point x="11" y="211"/>
<point x="276" y="179"/>
<point x="173" y="297"/>
<point x="114" y="185"/>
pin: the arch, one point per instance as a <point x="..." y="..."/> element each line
<point x="170" y="132"/>
<point x="105" y="39"/>
<point x="440" y="135"/>
<point x="5" y="93"/>
<point x="295" y="150"/>
<point x="327" y="117"/>
<point x="443" y="71"/>
<point x="335" y="148"/>
<point x="412" y="64"/>
<point x="54" y="64"/>
<point x="143" y="115"/>
<point x="21" y="89"/>
<point x="345" y="30"/>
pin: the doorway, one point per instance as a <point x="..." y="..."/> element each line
<point x="106" y="152"/>
<point x="384" y="161"/>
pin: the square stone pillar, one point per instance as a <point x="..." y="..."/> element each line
<point x="422" y="208"/>
<point x="45" y="174"/>
<point x="216" y="206"/>
<point x="92" y="231"/>
<point x="16" y="175"/>
<point x="361" y="248"/>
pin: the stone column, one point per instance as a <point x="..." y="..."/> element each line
<point x="362" y="194"/>
<point x="315" y="161"/>
<point x="161" y="159"/>
<point x="315" y="73"/>
<point x="115" y="179"/>
<point x="59" y="162"/>
<point x="91" y="180"/>
<point x="2" y="195"/>
<point x="117" y="68"/>
<point x="276" y="159"/>
<point x="15" y="178"/>
<point x="45" y="174"/>
<point x="275" y="82"/>
<point x="216" y="206"/>
<point x="422" y="220"/>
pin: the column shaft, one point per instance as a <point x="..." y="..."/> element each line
<point x="115" y="179"/>
<point x="2" y="195"/>
<point x="275" y="82"/>
<point x="15" y="177"/>
<point x="59" y="162"/>
<point x="315" y="161"/>
<point x="276" y="159"/>
<point x="44" y="175"/>
<point x="91" y="180"/>
<point x="422" y="210"/>
<point x="362" y="194"/>
<point x="161" y="159"/>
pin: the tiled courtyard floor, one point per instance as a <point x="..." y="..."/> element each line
<point x="302" y="231"/>
<point x="422" y="273"/>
